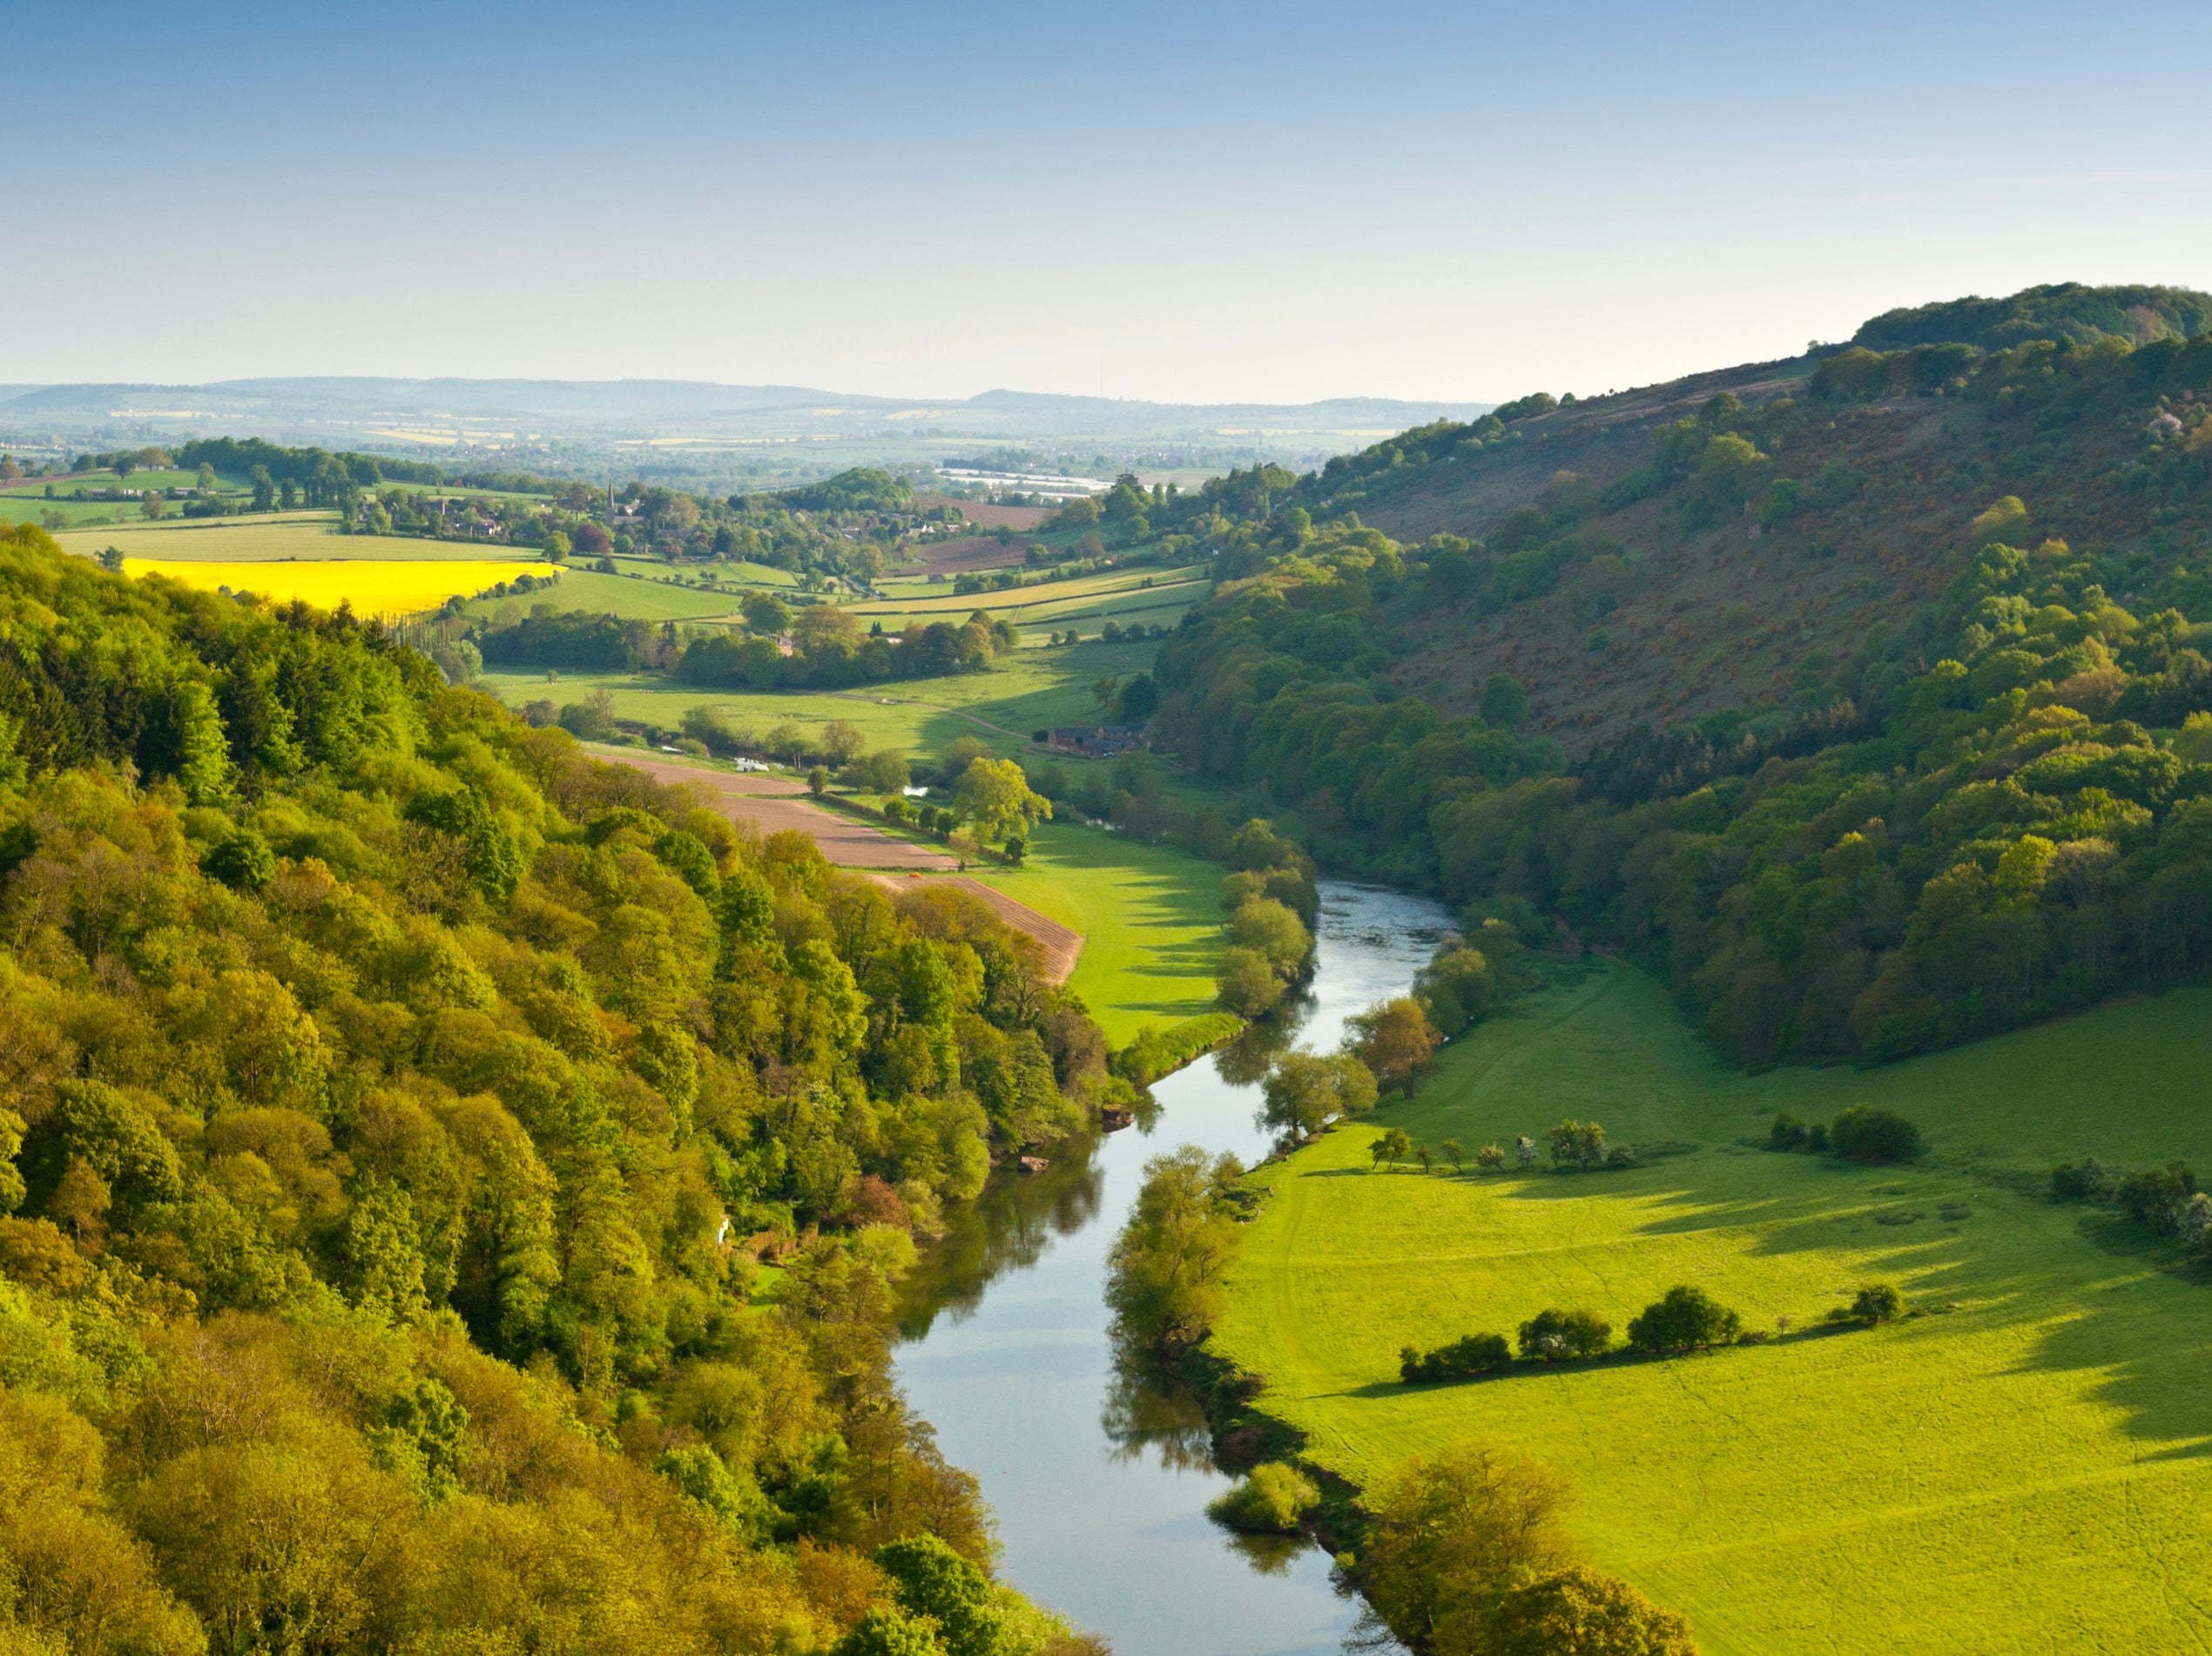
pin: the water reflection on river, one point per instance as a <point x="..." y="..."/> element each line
<point x="1100" y="1482"/>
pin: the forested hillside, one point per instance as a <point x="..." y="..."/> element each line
<point x="385" y="1090"/>
<point x="1864" y="695"/>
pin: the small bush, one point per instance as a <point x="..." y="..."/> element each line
<point x="1270" y="1502"/>
<point x="1550" y="1335"/>
<point x="1687" y="1319"/>
<point x="1489" y="1159"/>
<point x="1879" y="1303"/>
<point x="2074" y="1181"/>
<point x="1787" y="1133"/>
<point x="1864" y="1133"/>
<point x="2157" y="1198"/>
<point x="1479" y="1354"/>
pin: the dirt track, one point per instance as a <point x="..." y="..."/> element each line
<point x="773" y="804"/>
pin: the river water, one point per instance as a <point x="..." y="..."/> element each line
<point x="1100" y="1486"/>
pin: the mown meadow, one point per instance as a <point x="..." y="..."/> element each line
<point x="1150" y="919"/>
<point x="2015" y="1465"/>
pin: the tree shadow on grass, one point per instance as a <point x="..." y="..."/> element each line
<point x="1192" y="957"/>
<point x="2130" y="1310"/>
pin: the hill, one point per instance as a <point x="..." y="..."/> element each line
<point x="1864" y="696"/>
<point x="387" y="1089"/>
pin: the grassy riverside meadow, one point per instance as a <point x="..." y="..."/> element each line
<point x="2032" y="1444"/>
<point x="1150" y="919"/>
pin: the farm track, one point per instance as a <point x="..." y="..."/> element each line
<point x="844" y="843"/>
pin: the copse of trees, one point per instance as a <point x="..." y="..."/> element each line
<point x="1685" y="1319"/>
<point x="1863" y="1132"/>
<point x="828" y="651"/>
<point x="1551" y="1335"/>
<point x="566" y="638"/>
<point x="1464" y="1359"/>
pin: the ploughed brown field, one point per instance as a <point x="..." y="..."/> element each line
<point x="969" y="553"/>
<point x="985" y="516"/>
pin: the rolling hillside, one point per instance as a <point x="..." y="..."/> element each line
<point x="1674" y="603"/>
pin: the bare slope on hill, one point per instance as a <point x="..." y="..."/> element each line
<point x="1659" y="622"/>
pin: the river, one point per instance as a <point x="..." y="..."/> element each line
<point x="1101" y="1487"/>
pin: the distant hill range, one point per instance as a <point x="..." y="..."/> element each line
<point x="445" y="410"/>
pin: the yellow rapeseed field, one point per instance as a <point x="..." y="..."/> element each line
<point x="376" y="588"/>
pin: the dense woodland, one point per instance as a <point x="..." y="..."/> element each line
<point x="387" y="1093"/>
<point x="1994" y="805"/>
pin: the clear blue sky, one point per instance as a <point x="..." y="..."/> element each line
<point x="1186" y="202"/>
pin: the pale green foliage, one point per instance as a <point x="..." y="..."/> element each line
<point x="1163" y="1274"/>
<point x="996" y="797"/>
<point x="1271" y="1499"/>
<point x="1303" y="1093"/>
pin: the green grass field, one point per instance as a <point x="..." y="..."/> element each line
<point x="1150" y="919"/>
<point x="306" y="537"/>
<point x="25" y="502"/>
<point x="1155" y="598"/>
<point x="634" y="600"/>
<point x="1027" y="689"/>
<point x="2020" y="1468"/>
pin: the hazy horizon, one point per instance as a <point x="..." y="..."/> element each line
<point x="1233" y="205"/>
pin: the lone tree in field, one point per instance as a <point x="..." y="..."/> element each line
<point x="1421" y="1154"/>
<point x="1524" y="1150"/>
<point x="1688" y="1319"/>
<point x="1455" y="1152"/>
<point x="1393" y="1147"/>
<point x="1878" y="1304"/>
<point x="1489" y="1159"/>
<point x="997" y="798"/>
<point x="1395" y="1040"/>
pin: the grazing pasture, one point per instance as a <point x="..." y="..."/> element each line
<point x="2017" y="1465"/>
<point x="304" y="536"/>
<point x="1150" y="919"/>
